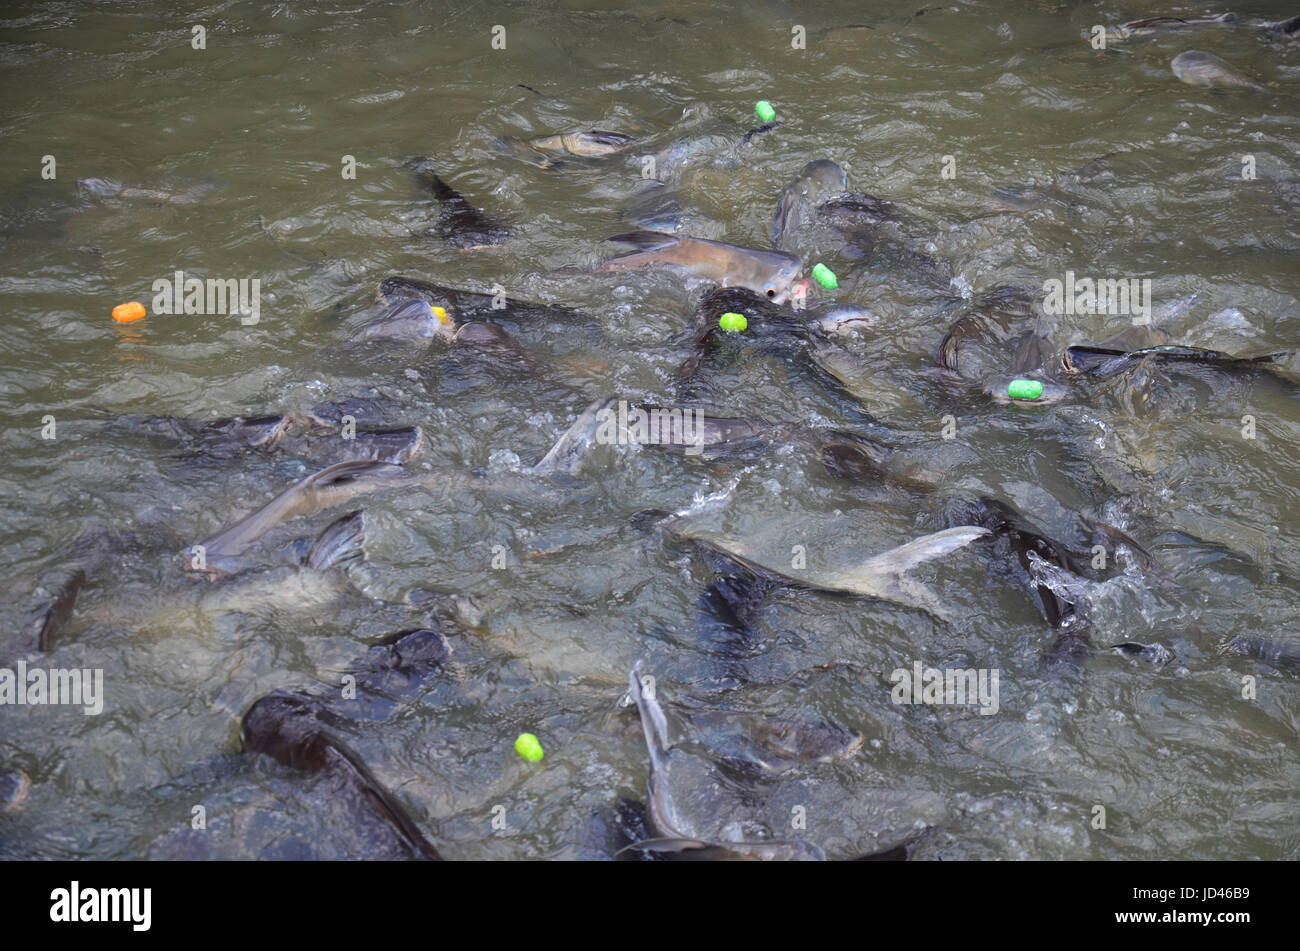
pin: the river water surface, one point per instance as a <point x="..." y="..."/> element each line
<point x="246" y="141"/>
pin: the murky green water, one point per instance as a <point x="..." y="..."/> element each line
<point x="255" y="129"/>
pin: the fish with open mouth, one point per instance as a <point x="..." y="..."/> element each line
<point x="773" y="275"/>
<point x="816" y="182"/>
<point x="1005" y="320"/>
<point x="818" y="214"/>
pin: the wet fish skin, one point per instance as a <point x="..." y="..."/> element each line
<point x="843" y="319"/>
<point x="816" y="182"/>
<point x="1106" y="362"/>
<point x="49" y="623"/>
<point x="773" y="328"/>
<point x="463" y="306"/>
<point x="459" y="223"/>
<point x="1029" y="543"/>
<point x="1023" y="537"/>
<point x="992" y="320"/>
<point x="662" y="816"/>
<point x="492" y="340"/>
<point x="1199" y="68"/>
<point x="342" y="543"/>
<point x="773" y="743"/>
<point x="1276" y="651"/>
<point x="402" y="660"/>
<point x="1162" y="24"/>
<point x="569" y="451"/>
<point x="289" y="728"/>
<point x="235" y="432"/>
<point x="177" y="193"/>
<point x="407" y="320"/>
<point x="876" y="577"/>
<point x="771" y="274"/>
<point x="710" y="434"/>
<point x="1289" y="27"/>
<point x="593" y="142"/>
<point x="324" y="449"/>
<point x="329" y="486"/>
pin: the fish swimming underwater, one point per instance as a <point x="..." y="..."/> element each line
<point x="1199" y="68"/>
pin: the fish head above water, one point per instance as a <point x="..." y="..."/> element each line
<point x="593" y="142"/>
<point x="843" y="319"/>
<point x="409" y="319"/>
<point x="782" y="290"/>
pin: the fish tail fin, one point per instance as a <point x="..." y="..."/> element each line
<point x="572" y="446"/>
<point x="652" y="716"/>
<point x="341" y="544"/>
<point x="905" y="557"/>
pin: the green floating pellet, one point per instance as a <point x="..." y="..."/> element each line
<point x="733" y="322"/>
<point x="825" y="276"/>
<point x="764" y="110"/>
<point x="1024" y="389"/>
<point x="529" y="748"/>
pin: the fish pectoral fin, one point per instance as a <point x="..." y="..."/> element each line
<point x="648" y="246"/>
<point x="341" y="543"/>
<point x="645" y="240"/>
